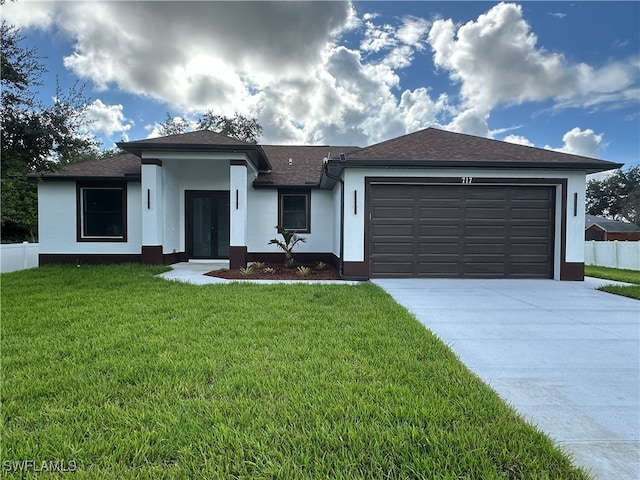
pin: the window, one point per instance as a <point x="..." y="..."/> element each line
<point x="294" y="212"/>
<point x="102" y="213"/>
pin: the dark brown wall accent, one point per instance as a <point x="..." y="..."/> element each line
<point x="152" y="255"/>
<point x="151" y="161"/>
<point x="356" y="269"/>
<point x="237" y="257"/>
<point x="572" y="271"/>
<point x="170" y="258"/>
<point x="84" y="258"/>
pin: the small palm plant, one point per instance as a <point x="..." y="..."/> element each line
<point x="289" y="240"/>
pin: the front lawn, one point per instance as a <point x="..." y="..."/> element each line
<point x="619" y="275"/>
<point x="113" y="373"/>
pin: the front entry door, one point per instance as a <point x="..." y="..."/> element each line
<point x="207" y="232"/>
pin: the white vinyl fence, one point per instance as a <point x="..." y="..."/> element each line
<point x="613" y="254"/>
<point x="18" y="256"/>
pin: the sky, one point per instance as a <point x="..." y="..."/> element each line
<point x="557" y="75"/>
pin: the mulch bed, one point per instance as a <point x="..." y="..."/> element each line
<point x="279" y="273"/>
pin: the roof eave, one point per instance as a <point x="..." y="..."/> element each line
<point x="334" y="167"/>
<point x="589" y="167"/>
<point x="272" y="185"/>
<point x="134" y="177"/>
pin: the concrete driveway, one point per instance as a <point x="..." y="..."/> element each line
<point x="563" y="354"/>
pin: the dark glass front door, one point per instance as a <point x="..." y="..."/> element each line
<point x="207" y="223"/>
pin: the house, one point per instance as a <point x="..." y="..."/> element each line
<point x="605" y="229"/>
<point x="427" y="204"/>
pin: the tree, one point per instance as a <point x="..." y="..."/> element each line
<point x="289" y="240"/>
<point x="617" y="196"/>
<point x="172" y="126"/>
<point x="34" y="137"/>
<point x="238" y="126"/>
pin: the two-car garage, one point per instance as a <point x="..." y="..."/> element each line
<point x="461" y="230"/>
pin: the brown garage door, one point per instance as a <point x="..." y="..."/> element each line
<point x="482" y="231"/>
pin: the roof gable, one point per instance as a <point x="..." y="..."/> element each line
<point x="199" y="137"/>
<point x="199" y="141"/>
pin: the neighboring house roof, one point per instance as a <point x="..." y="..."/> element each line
<point x="426" y="148"/>
<point x="610" y="226"/>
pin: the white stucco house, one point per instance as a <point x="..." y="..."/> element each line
<point x="428" y="204"/>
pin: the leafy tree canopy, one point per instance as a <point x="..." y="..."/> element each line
<point x="240" y="127"/>
<point x="34" y="137"/>
<point x="616" y="196"/>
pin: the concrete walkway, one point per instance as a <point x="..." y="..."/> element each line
<point x="563" y="354"/>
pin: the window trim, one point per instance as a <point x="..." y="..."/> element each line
<point x="80" y="216"/>
<point x="284" y="192"/>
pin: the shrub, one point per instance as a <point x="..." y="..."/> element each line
<point x="245" y="272"/>
<point x="304" y="271"/>
<point x="321" y="266"/>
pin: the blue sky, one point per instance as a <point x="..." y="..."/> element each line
<point x="560" y="75"/>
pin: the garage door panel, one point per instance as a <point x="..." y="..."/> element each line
<point x="393" y="268"/>
<point x="393" y="229"/>
<point x="529" y="214"/>
<point x="437" y="268"/>
<point x="452" y="230"/>
<point x="488" y="213"/>
<point x="386" y="211"/>
<point x="393" y="248"/>
<point x="534" y="230"/>
<point x="485" y="193"/>
<point x="437" y="213"/>
<point x="461" y="231"/>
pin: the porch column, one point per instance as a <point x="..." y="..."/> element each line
<point x="238" y="185"/>
<point x="152" y="211"/>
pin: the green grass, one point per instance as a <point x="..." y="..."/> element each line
<point x="619" y="275"/>
<point x="131" y="376"/>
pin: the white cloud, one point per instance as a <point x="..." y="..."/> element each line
<point x="107" y="119"/>
<point x="496" y="60"/>
<point x="473" y="121"/>
<point x="287" y="66"/>
<point x="518" y="139"/>
<point x="580" y="142"/>
<point x="39" y="15"/>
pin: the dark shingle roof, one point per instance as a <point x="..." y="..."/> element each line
<point x="306" y="163"/>
<point x="425" y="148"/>
<point x="200" y="140"/>
<point x="199" y="137"/>
<point x="116" y="166"/>
<point x="451" y="149"/>
<point x="611" y="226"/>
